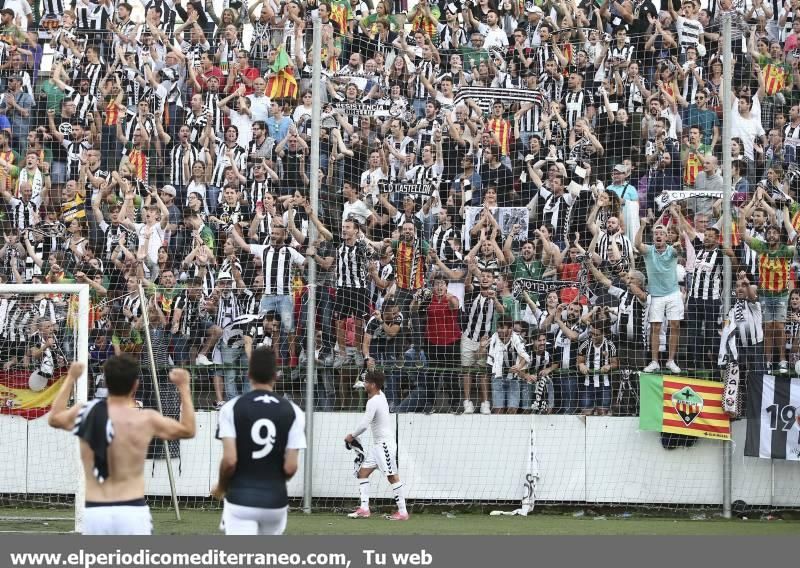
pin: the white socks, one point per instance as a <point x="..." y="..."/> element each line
<point x="363" y="491"/>
<point x="399" y="498"/>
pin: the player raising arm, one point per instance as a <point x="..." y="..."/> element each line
<point x="262" y="433"/>
<point x="382" y="455"/>
<point x="114" y="437"/>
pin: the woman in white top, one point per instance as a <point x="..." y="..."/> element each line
<point x="201" y="176"/>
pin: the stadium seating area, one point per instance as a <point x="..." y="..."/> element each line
<point x="519" y="202"/>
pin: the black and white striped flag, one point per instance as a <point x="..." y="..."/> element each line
<point x="772" y="428"/>
<point x="485" y="96"/>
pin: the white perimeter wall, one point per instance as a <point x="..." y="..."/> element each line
<point x="447" y="457"/>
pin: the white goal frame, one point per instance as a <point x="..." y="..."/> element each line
<point x="82" y="351"/>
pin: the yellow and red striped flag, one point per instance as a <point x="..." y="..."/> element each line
<point x="283" y="84"/>
<point x="682" y="405"/>
<point x="17" y="399"/>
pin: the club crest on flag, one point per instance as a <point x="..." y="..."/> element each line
<point x="688" y="404"/>
<point x="683" y="405"/>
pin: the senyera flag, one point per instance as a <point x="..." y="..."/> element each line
<point x="17" y="399"/>
<point x="681" y="405"/>
<point x="772" y="428"/>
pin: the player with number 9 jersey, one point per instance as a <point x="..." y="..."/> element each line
<point x="262" y="433"/>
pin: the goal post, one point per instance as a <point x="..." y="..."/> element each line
<point x="81" y="350"/>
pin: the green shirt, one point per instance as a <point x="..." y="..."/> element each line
<point x="532" y="270"/>
<point x="53" y="95"/>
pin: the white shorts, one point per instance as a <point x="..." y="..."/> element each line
<point x="117" y="518"/>
<point x="241" y="520"/>
<point x="469" y="353"/>
<point x="669" y="307"/>
<point x="381" y="456"/>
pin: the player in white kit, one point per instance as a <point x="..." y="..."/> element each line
<point x="382" y="454"/>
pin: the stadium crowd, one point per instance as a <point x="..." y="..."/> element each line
<point x="503" y="223"/>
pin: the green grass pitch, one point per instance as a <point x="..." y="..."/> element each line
<point x="195" y="521"/>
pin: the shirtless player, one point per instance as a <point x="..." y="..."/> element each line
<point x="114" y="464"/>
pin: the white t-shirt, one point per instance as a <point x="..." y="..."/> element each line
<point x="156" y="239"/>
<point x="21" y="10"/>
<point x="245" y="126"/>
<point x="377" y="419"/>
<point x="259" y="106"/>
<point x="494" y="37"/>
<point x="747" y="129"/>
<point x="358" y="210"/>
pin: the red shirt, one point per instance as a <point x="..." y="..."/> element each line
<point x="443" y="328"/>
<point x="569" y="271"/>
<point x="252" y="74"/>
<point x="202" y="78"/>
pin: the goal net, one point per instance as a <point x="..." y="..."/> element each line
<point x="44" y="328"/>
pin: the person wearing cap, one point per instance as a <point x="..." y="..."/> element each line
<point x="17" y="105"/>
<point x="168" y="194"/>
<point x="620" y="184"/>
<point x="533" y="19"/>
<point x="8" y="28"/>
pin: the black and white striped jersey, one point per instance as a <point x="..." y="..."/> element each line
<point x="707" y="276"/>
<point x="352" y="264"/>
<point x="264" y="425"/>
<point x="16" y="322"/>
<point x="556" y="212"/>
<point x="196" y="123"/>
<point x="133" y="304"/>
<point x="181" y="159"/>
<point x="23" y="214"/>
<point x="255" y="191"/>
<point x="604" y="244"/>
<point x="577" y="103"/>
<point x="132" y="122"/>
<point x="481" y="314"/>
<point x="750" y="259"/>
<point x="277" y="265"/>
<point x="168" y="14"/>
<point x="690" y="85"/>
<point x="190" y="313"/>
<point x="55" y="7"/>
<point x="450" y="38"/>
<point x="221" y="162"/>
<point x="533" y="116"/>
<point x="567" y="349"/>
<point x="427" y="69"/>
<point x="749" y="322"/>
<point x="541" y="55"/>
<point x="540" y="362"/>
<point x="386" y="273"/>
<point x="595" y="358"/>
<point x="93" y="17"/>
<point x="234" y="331"/>
<point x="94" y="72"/>
<point x="84" y="104"/>
<point x="441" y="242"/>
<point x="405" y="146"/>
<point x="632" y="316"/>
<point x="551" y="86"/>
<point x="634" y="98"/>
